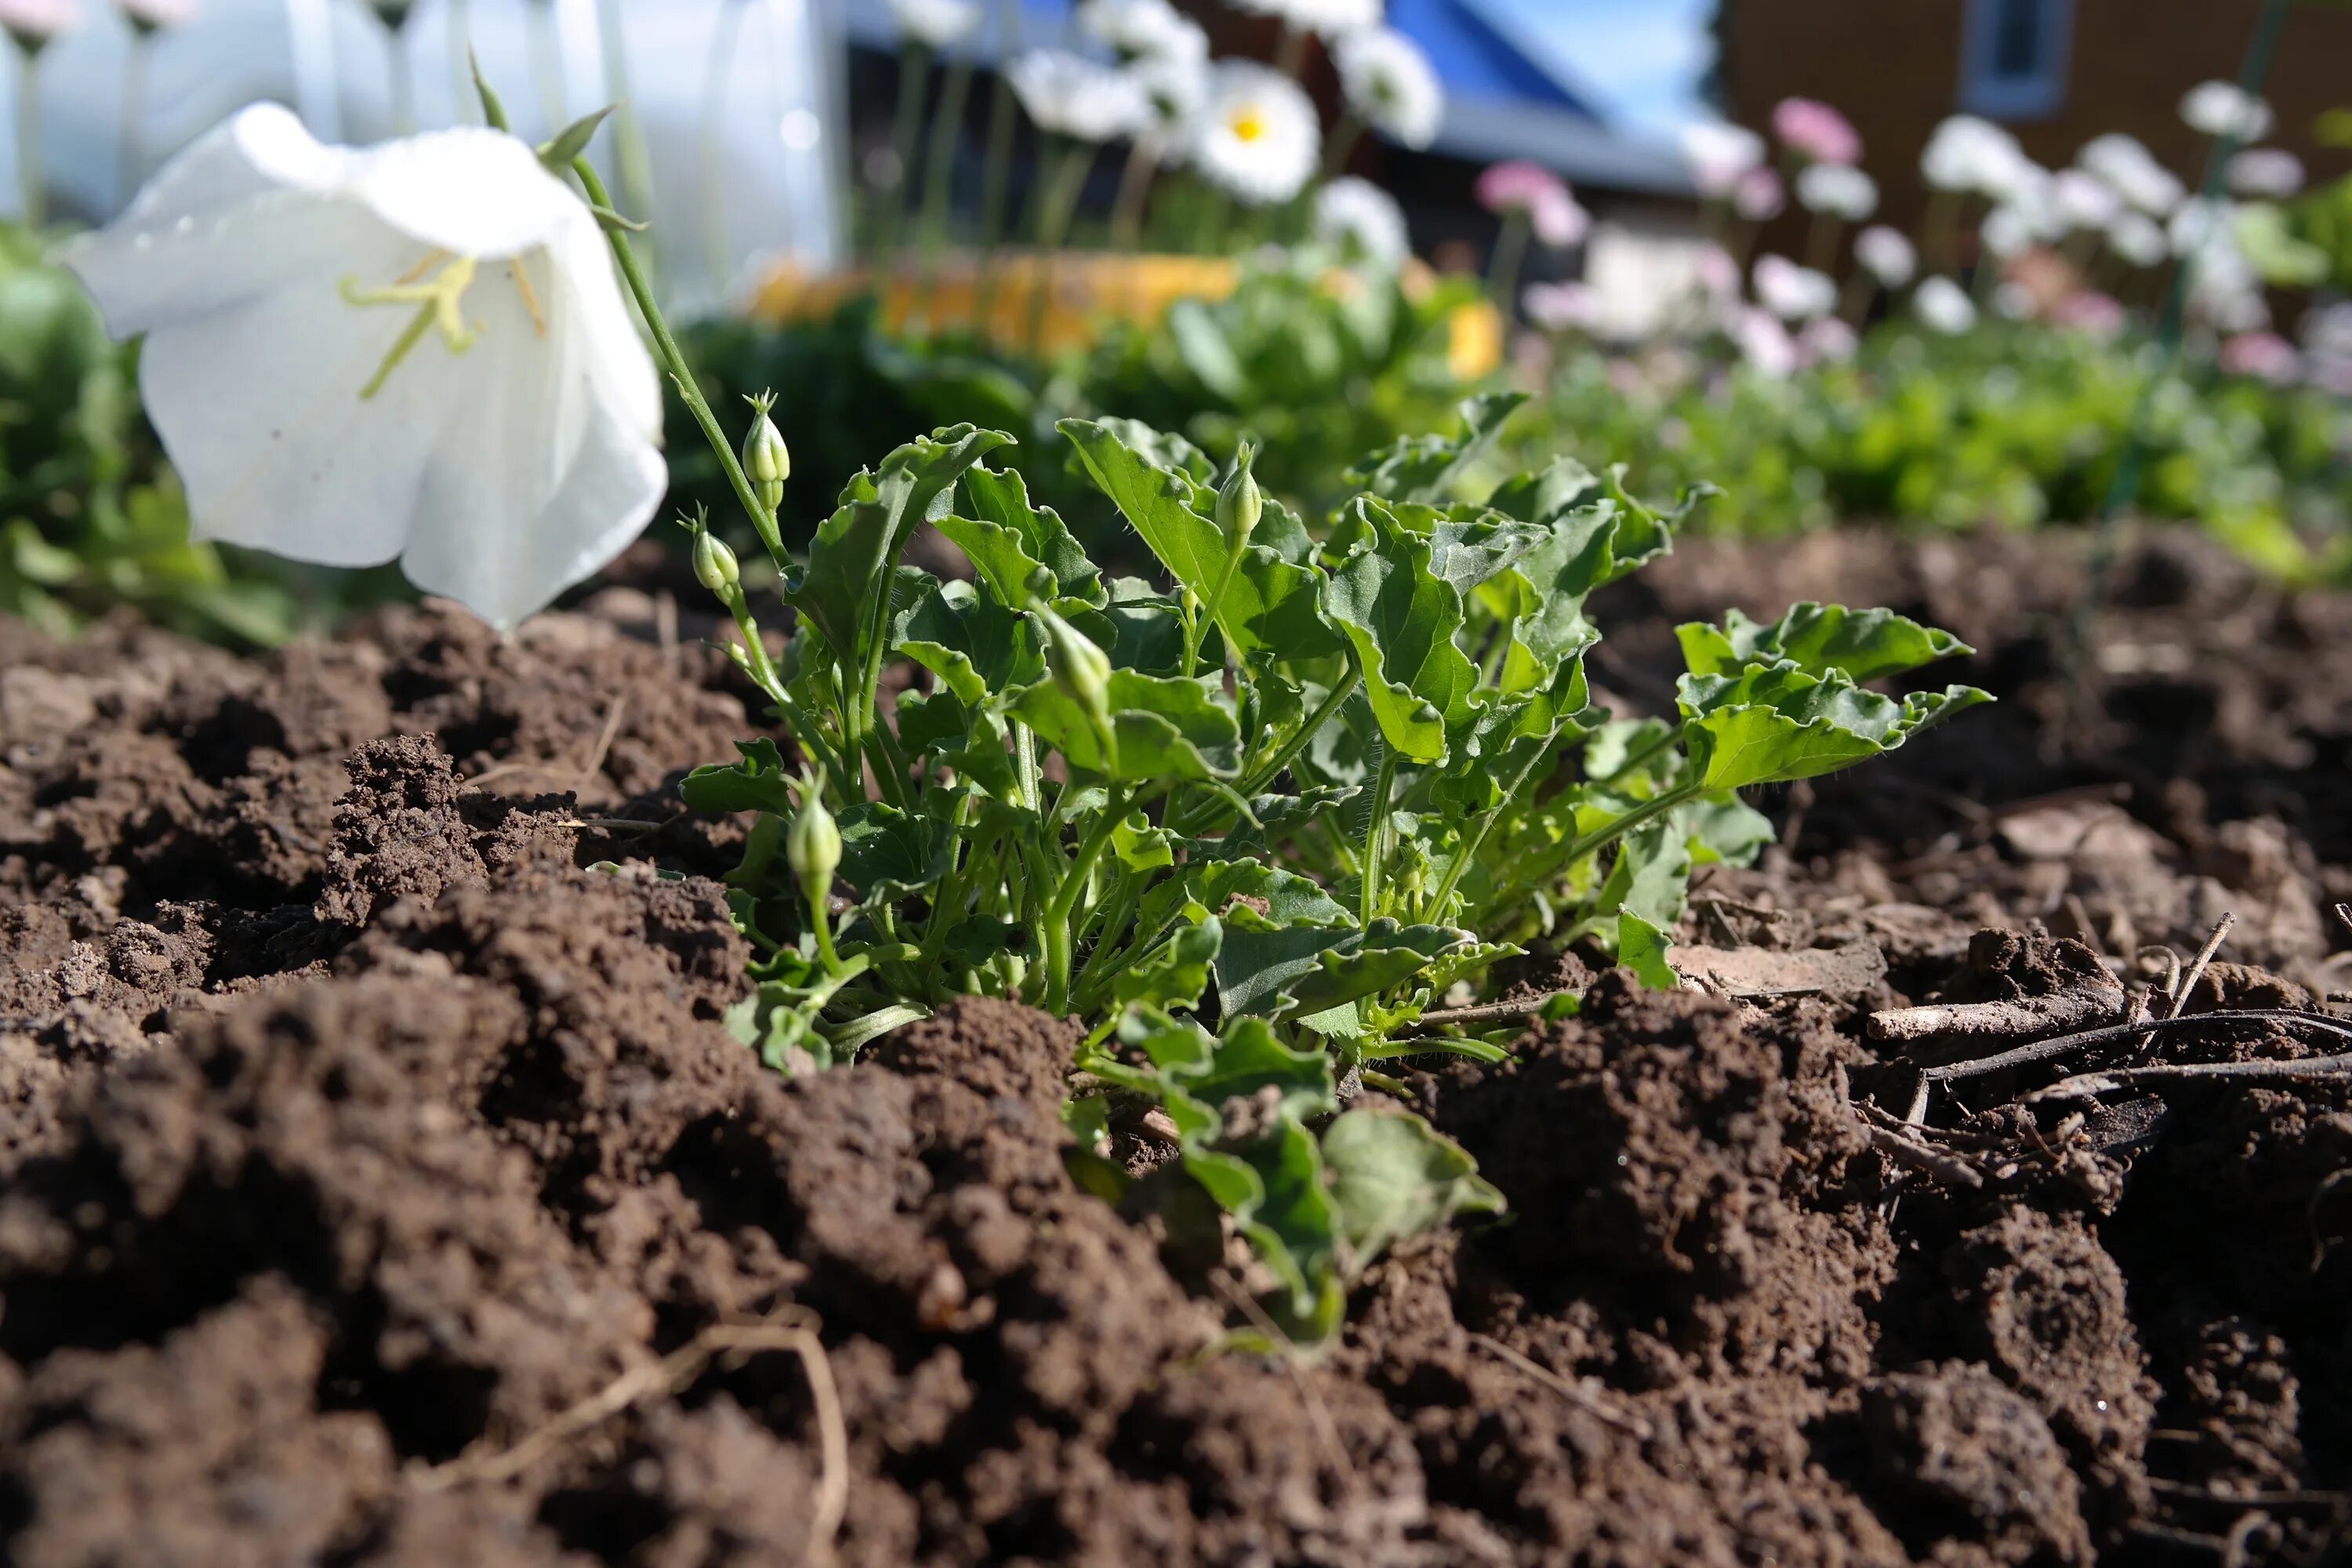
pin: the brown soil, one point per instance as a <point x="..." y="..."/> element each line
<point x="361" y="1113"/>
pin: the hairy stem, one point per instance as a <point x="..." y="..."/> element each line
<point x="1376" y="832"/>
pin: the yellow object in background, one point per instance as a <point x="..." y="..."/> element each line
<point x="1084" y="290"/>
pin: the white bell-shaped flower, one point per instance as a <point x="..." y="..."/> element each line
<point x="418" y="351"/>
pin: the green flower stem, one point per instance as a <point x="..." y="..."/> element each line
<point x="1197" y="628"/>
<point x="1024" y="759"/>
<point x="1376" y="832"/>
<point x="1134" y="184"/>
<point x="629" y="146"/>
<point x="939" y="168"/>
<point x="31" y="189"/>
<point x="996" y="174"/>
<point x="1342" y="144"/>
<point x="1821" y="236"/>
<point x="1672" y="738"/>
<point x="1057" y="933"/>
<point x="134" y="115"/>
<point x="1648" y="811"/>
<point x="914" y="76"/>
<point x="717" y="254"/>
<point x="1058" y="206"/>
<point x="673" y="360"/>
<point x="2107" y="545"/>
<point x="1503" y="272"/>
<point x="946" y="907"/>
<point x="1266" y="771"/>
<point x="1290" y="53"/>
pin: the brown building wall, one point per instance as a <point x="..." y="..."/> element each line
<point x="1894" y="68"/>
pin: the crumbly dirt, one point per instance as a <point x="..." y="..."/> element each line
<point x="366" y="1106"/>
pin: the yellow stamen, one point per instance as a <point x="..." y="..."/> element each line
<point x="529" y="296"/>
<point x="431" y="261"/>
<point x="438" y="305"/>
<point x="1248" y="125"/>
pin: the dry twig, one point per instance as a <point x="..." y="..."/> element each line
<point x="670" y="1375"/>
<point x="1577" y="1393"/>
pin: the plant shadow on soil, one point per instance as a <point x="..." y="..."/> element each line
<point x="355" y="1124"/>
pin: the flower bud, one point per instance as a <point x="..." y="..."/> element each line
<point x="1079" y="669"/>
<point x="1240" y="504"/>
<point x="767" y="461"/>
<point x="714" y="563"/>
<point x="812" y="847"/>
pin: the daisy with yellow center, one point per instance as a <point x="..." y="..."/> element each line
<point x="1259" y="139"/>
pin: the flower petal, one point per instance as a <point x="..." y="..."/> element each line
<point x="469" y="190"/>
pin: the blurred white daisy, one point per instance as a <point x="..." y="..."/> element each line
<point x="1967" y="153"/>
<point x="1391" y="84"/>
<point x="2083" y="200"/>
<point x="1791" y="292"/>
<point x="1143" y="29"/>
<point x="1764" y="342"/>
<point x="936" y="24"/>
<point x="2224" y="109"/>
<point x="1838" y="189"/>
<point x="154" y="15"/>
<point x="1944" y="306"/>
<point x="1173" y="89"/>
<point x="32" y="23"/>
<point x="1332" y="18"/>
<point x="1828" y="341"/>
<point x="2131" y="171"/>
<point x="1563" y="307"/>
<point x="1358" y="217"/>
<point x="2138" y="238"/>
<point x="2266" y="171"/>
<point x="1718" y="153"/>
<point x="1886" y="255"/>
<point x="1072" y="95"/>
<point x="1256" y="138"/>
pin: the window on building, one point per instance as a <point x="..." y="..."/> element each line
<point x="2014" y="58"/>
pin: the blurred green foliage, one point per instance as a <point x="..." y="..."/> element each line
<point x="2014" y="424"/>
<point x="1318" y="373"/>
<point x="90" y="515"/>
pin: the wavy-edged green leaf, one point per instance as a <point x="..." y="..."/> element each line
<point x="1016" y="537"/>
<point x="1818" y="638"/>
<point x="853" y="552"/>
<point x="1428" y="468"/>
<point x="1162" y="730"/>
<point x="1174" y="973"/>
<point x="1771" y="724"/>
<point x="1400" y="619"/>
<point x="1269" y="606"/>
<point x="886" y="854"/>
<point x="1305" y="972"/>
<point x="978" y="648"/>
<point x="1392" y="1176"/>
<point x="754" y="782"/>
<point x="1641" y="948"/>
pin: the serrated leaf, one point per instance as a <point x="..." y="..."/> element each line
<point x="1302" y="971"/>
<point x="1162" y="730"/>
<point x="1393" y="1176"/>
<point x="756" y="783"/>
<point x="1141" y="845"/>
<point x="853" y="552"/>
<point x="1402" y="619"/>
<point x="1009" y="541"/>
<point x="1818" y="638"/>
<point x="1269" y="606"/>
<point x="1771" y="724"/>
<point x="1426" y="468"/>
<point x="886" y="854"/>
<point x="1174" y="973"/>
<point x="977" y="648"/>
<point x="1641" y="948"/>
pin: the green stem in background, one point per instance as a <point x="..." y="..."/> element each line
<point x="1376" y="832"/>
<point x="1503" y="272"/>
<point x="2106" y="544"/>
<point x="1057" y="206"/>
<point x="821" y="922"/>
<point x="629" y="148"/>
<point x="939" y="171"/>
<point x="717" y="254"/>
<point x="32" y="190"/>
<point x="906" y="124"/>
<point x="1648" y="811"/>
<point x="458" y="25"/>
<point x="1134" y="184"/>
<point x="400" y="81"/>
<point x="133" y="150"/>
<point x="1290" y="51"/>
<point x="996" y="174"/>
<point x="1058" y="937"/>
<point x="1217" y="223"/>
<point x="547" y="63"/>
<point x="1342" y="144"/>
<point x="1672" y="737"/>
<point x="1821" y="236"/>
<point x="1197" y="628"/>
